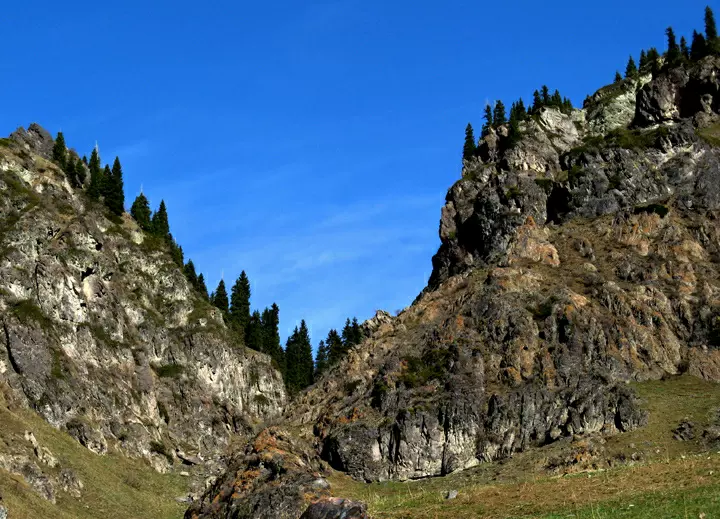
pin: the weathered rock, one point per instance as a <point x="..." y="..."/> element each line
<point x="335" y="508"/>
<point x="685" y="431"/>
<point x="3" y="512"/>
<point x="613" y="107"/>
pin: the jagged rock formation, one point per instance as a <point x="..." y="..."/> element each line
<point x="101" y="333"/>
<point x="578" y="258"/>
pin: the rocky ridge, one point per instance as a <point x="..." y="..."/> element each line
<point x="579" y="258"/>
<point x="103" y="336"/>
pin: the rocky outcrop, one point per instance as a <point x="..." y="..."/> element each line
<point x="101" y="333"/>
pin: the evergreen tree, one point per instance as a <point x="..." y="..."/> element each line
<point x="521" y="110"/>
<point x="469" y="147"/>
<point x="711" y="34"/>
<point x="240" y="303"/>
<point x="221" y="298"/>
<point x="202" y="287"/>
<point x="489" y="123"/>
<point x="96" y="175"/>
<point x="298" y="355"/>
<point x="114" y="192"/>
<point x="85" y="160"/>
<point x="335" y="346"/>
<point x="644" y="65"/>
<point x="674" y="55"/>
<point x="537" y="102"/>
<point x="190" y="274"/>
<point x="307" y="365"/>
<point x="105" y="182"/>
<point x="698" y="47"/>
<point x="270" y="321"/>
<point x="499" y="116"/>
<point x="567" y="106"/>
<point x="684" y="49"/>
<point x="631" y="71"/>
<point x="653" y="57"/>
<point x="545" y="95"/>
<point x="556" y="99"/>
<point x="176" y="252"/>
<point x="59" y="151"/>
<point x="80" y="173"/>
<point x="70" y="171"/>
<point x="321" y="359"/>
<point x="160" y="223"/>
<point x="357" y="333"/>
<point x="254" y="335"/>
<point x="140" y="211"/>
<point x="618" y="77"/>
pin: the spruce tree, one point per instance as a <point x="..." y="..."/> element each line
<point x="631" y="71"/>
<point x="684" y="49"/>
<point x="292" y="358"/>
<point x="240" y="303"/>
<point x="335" y="346"/>
<point x="698" y="47"/>
<point x="545" y="95"/>
<point x="271" y="336"/>
<point x="674" y="55"/>
<point x="469" y="147"/>
<point x="254" y="335"/>
<point x="80" y="173"/>
<point x="653" y="57"/>
<point x="321" y="359"/>
<point x="521" y="110"/>
<point x="140" y="211"/>
<point x="537" y="102"/>
<point x="711" y="34"/>
<point x="96" y="180"/>
<point x="105" y="182"/>
<point x="59" y="151"/>
<point x="618" y="77"/>
<point x="160" y="223"/>
<point x="357" y="333"/>
<point x="114" y="193"/>
<point x="499" y="116"/>
<point x="191" y="274"/>
<point x="202" y="287"/>
<point x="644" y="65"/>
<point x="221" y="298"/>
<point x="489" y="123"/>
<point x="307" y="365"/>
<point x="70" y="171"/>
<point x="176" y="252"/>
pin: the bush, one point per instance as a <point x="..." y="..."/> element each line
<point x="431" y="366"/>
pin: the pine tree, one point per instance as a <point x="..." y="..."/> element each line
<point x="70" y="171"/>
<point x="176" y="252"/>
<point x="556" y="99"/>
<point x="537" y="102"/>
<point x="684" y="49"/>
<point x="254" y="335"/>
<point x="321" y="359"/>
<point x="80" y="173"/>
<point x="567" y="105"/>
<point x="644" y="65"/>
<point x="521" y="110"/>
<point x="96" y="180"/>
<point x="653" y="57"/>
<point x="114" y="192"/>
<point x="240" y="303"/>
<point x="298" y="354"/>
<point x="307" y="365"/>
<point x="140" y="211"/>
<point x="545" y="95"/>
<point x="190" y="274"/>
<point x="85" y="160"/>
<point x="631" y="71"/>
<point x="499" y="116"/>
<point x="271" y="337"/>
<point x="618" y="77"/>
<point x="59" y="151"/>
<point x="698" y="47"/>
<point x="674" y="55"/>
<point x="160" y="223"/>
<point x="105" y="182"/>
<point x="221" y="298"/>
<point x="489" y="123"/>
<point x="202" y="287"/>
<point x="335" y="346"/>
<point x="357" y="333"/>
<point x="469" y="147"/>
<point x="711" y="34"/>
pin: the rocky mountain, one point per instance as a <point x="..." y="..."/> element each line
<point x="103" y="336"/>
<point x="577" y="258"/>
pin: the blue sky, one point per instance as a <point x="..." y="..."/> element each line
<point x="308" y="143"/>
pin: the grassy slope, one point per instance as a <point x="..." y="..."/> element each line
<point x="114" y="487"/>
<point x="674" y="479"/>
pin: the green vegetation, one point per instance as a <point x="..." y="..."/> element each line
<point x="114" y="194"/>
<point x="674" y="478"/>
<point x="140" y="211"/>
<point x="239" y="313"/>
<point x="469" y="146"/>
<point x="28" y="310"/>
<point x="433" y="365"/>
<point x="220" y="298"/>
<point x="298" y="356"/>
<point x="711" y="134"/>
<point x="59" y="151"/>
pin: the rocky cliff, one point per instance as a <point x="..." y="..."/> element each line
<point x="101" y="333"/>
<point x="575" y="259"/>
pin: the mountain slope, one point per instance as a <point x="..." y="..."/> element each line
<point x="575" y="259"/>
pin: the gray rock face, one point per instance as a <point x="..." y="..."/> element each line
<point x="335" y="509"/>
<point x="101" y="333"/>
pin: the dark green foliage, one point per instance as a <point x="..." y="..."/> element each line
<point x="643" y="65"/>
<point x="618" y="77"/>
<point x="270" y="322"/>
<point x="202" y="287"/>
<point x="114" y="189"/>
<point x="499" y="116"/>
<point x="96" y="175"/>
<point x="489" y="122"/>
<point x="469" y="147"/>
<point x="176" y="252"/>
<point x="190" y="274"/>
<point x="240" y="304"/>
<point x="653" y="59"/>
<point x="80" y="173"/>
<point x="220" y="298"/>
<point x="298" y="355"/>
<point x="335" y="346"/>
<point x="711" y="34"/>
<point x="543" y="98"/>
<point x="545" y="95"/>
<point x="160" y="222"/>
<point x="351" y="334"/>
<point x="698" y="47"/>
<point x="254" y="337"/>
<point x="59" y="151"/>
<point x="537" y="102"/>
<point x="70" y="171"/>
<point x="631" y="71"/>
<point x="433" y="365"/>
<point x="674" y="55"/>
<point x="321" y="359"/>
<point x="105" y="182"/>
<point x="684" y="49"/>
<point x="140" y="211"/>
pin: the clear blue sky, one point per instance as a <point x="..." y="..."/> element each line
<point x="309" y="143"/>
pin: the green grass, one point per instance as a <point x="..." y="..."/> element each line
<point x="673" y="478"/>
<point x="115" y="487"/>
<point x="711" y="134"/>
